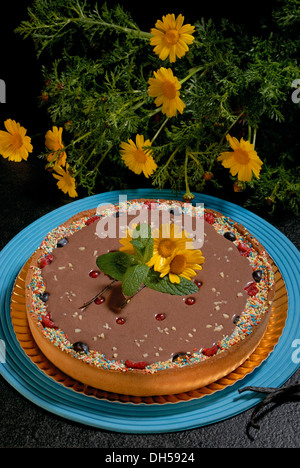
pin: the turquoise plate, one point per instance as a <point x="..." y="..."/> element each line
<point x="19" y="371"/>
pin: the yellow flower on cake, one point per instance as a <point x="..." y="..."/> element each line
<point x="66" y="182"/>
<point x="137" y="156"/>
<point x="166" y="240"/>
<point x="14" y="143"/>
<point x="242" y="161"/>
<point x="182" y="263"/>
<point x="171" y="37"/>
<point x="165" y="88"/>
<point x="125" y="241"/>
<point x="53" y="141"/>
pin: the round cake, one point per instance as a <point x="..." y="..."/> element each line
<point x="149" y="297"/>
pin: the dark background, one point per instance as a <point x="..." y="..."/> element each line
<point x="27" y="192"/>
<point x="21" y="71"/>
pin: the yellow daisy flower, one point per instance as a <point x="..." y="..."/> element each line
<point x="127" y="246"/>
<point x="53" y="141"/>
<point x="243" y="160"/>
<point x="66" y="182"/>
<point x="14" y="144"/>
<point x="182" y="263"/>
<point x="138" y="158"/>
<point x="166" y="240"/>
<point x="170" y="37"/>
<point x="165" y="88"/>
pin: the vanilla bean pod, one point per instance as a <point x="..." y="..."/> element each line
<point x="274" y="395"/>
<point x="86" y="304"/>
<point x="128" y="299"/>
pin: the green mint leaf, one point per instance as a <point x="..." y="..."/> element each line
<point x="142" y="242"/>
<point x="134" y="277"/>
<point x="115" y="264"/>
<point x="164" y="285"/>
<point x="142" y="231"/>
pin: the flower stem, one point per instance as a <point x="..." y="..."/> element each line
<point x="188" y="196"/>
<point x="193" y="72"/>
<point x="232" y="125"/>
<point x="171" y="157"/>
<point x="254" y="138"/>
<point x="159" y="130"/>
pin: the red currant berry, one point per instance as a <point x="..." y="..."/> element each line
<point x="94" y="274"/>
<point x="198" y="283"/>
<point x="190" y="300"/>
<point x="46" y="260"/>
<point x="120" y="321"/>
<point x="160" y="317"/>
<point x="99" y="300"/>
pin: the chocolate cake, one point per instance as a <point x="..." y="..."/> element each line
<point x="196" y="312"/>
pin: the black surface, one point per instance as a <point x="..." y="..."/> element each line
<point x="27" y="192"/>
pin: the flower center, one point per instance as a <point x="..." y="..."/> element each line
<point x="169" y="89"/>
<point x="140" y="156"/>
<point x="241" y="156"/>
<point x="178" y="264"/>
<point x="166" y="247"/>
<point x="16" y="141"/>
<point x="172" y="36"/>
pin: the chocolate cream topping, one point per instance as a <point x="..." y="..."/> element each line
<point x="135" y="333"/>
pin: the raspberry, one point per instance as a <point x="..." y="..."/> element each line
<point x="47" y="322"/>
<point x="244" y="249"/>
<point x="136" y="365"/>
<point x="91" y="220"/>
<point x="209" y="218"/>
<point x="46" y="260"/>
<point x="252" y="289"/>
<point x="149" y="205"/>
<point x="210" y="351"/>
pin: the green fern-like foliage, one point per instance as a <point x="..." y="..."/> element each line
<point x="96" y="65"/>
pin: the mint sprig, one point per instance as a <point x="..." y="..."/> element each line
<point x="164" y="285"/>
<point x="132" y="269"/>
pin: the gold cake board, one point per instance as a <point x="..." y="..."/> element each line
<point x="270" y="339"/>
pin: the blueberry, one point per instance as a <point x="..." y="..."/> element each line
<point x="257" y="275"/>
<point x="62" y="242"/>
<point x="230" y="236"/>
<point x="179" y="355"/>
<point x="176" y="211"/>
<point x="236" y="319"/>
<point x="44" y="296"/>
<point x="80" y="347"/>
